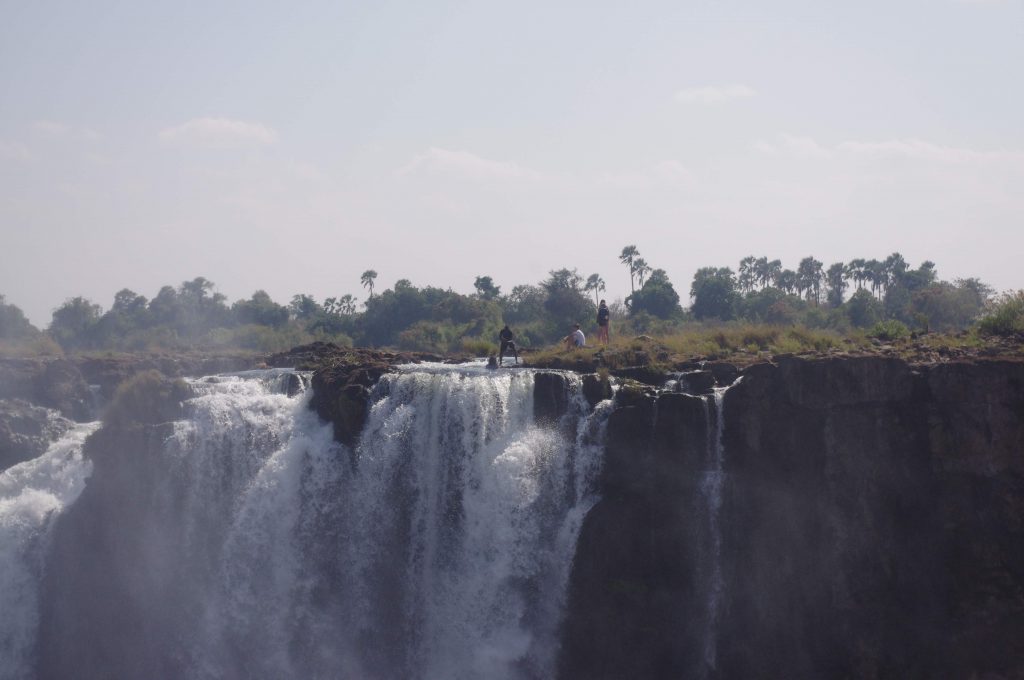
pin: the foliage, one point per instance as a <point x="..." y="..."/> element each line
<point x="889" y="330"/>
<point x="714" y="293"/>
<point x="73" y="322"/>
<point x="14" y="325"/>
<point x="1005" y="316"/>
<point x="486" y="289"/>
<point x="863" y="309"/>
<point x="656" y="296"/>
<point x="146" y="397"/>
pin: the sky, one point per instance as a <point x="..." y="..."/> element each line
<point x="291" y="146"/>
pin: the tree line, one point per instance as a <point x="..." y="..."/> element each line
<point x="194" y="315"/>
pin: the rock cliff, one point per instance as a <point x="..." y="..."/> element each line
<point x="871" y="525"/>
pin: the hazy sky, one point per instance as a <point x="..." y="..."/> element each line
<point x="290" y="146"/>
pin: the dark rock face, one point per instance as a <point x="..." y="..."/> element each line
<point x="550" y="396"/>
<point x="100" y="609"/>
<point x="53" y="383"/>
<point x="596" y="388"/>
<point x="26" y="431"/>
<point x="342" y="381"/>
<point x="871" y="525"/>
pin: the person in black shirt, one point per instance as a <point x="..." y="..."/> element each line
<point x="602" y="323"/>
<point x="505" y="336"/>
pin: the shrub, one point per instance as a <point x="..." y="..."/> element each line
<point x="478" y="347"/>
<point x="1005" y="316"/>
<point x="147" y="397"/>
<point x="889" y="330"/>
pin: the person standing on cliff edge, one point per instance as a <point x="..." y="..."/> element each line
<point x="603" y="316"/>
<point x="505" y="336"/>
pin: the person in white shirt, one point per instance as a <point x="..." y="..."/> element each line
<point x="575" y="339"/>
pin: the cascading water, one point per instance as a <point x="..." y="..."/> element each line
<point x="438" y="548"/>
<point x="32" y="494"/>
<point x="712" y="480"/>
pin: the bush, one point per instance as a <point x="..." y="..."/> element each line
<point x="1005" y="316"/>
<point x="147" y="397"/>
<point x="478" y="347"/>
<point x="889" y="330"/>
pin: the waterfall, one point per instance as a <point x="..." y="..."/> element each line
<point x="439" y="547"/>
<point x="32" y="494"/>
<point x="712" y="481"/>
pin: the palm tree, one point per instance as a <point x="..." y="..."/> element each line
<point x="367" y="279"/>
<point x="760" y="267"/>
<point x="786" y="281"/>
<point x="641" y="269"/>
<point x="596" y="284"/>
<point x="626" y="257"/>
<point x="747" y="275"/>
<point x="836" y="277"/>
<point x="809" y="277"/>
<point x="773" y="269"/>
<point x="874" y="273"/>
<point x="858" y="272"/>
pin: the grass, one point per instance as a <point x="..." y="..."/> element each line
<point x="739" y="342"/>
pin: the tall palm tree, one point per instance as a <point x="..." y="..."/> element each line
<point x="641" y="269"/>
<point x="858" y="272"/>
<point x="367" y="279"/>
<point x="626" y="257"/>
<point x="747" y="275"/>
<point x="761" y="271"/>
<point x="596" y="284"/>
<point x="773" y="269"/>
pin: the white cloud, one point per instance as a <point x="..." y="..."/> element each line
<point x="218" y="133"/>
<point x="714" y="94"/>
<point x="466" y="164"/>
<point x="916" y="149"/>
<point x="921" y="150"/>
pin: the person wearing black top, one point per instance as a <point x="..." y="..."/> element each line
<point x="602" y="323"/>
<point x="506" y="343"/>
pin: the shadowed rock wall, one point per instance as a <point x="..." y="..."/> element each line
<point x="872" y="526"/>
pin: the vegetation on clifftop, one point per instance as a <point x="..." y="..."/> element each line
<point x="760" y="307"/>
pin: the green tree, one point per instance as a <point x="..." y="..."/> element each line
<point x="485" y="288"/>
<point x="367" y="279"/>
<point x="863" y="309"/>
<point x="14" y="325"/>
<point x="627" y="257"/>
<point x="596" y="284"/>
<point x="713" y="292"/>
<point x="835" y="279"/>
<point x="641" y="269"/>
<point x="261" y="310"/>
<point x="747" y="274"/>
<point x="656" y="297"/>
<point x="564" y="300"/>
<point x="73" y="323"/>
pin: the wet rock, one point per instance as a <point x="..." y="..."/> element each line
<point x="649" y="375"/>
<point x="550" y="396"/>
<point x="596" y="388"/>
<point x="871" y="524"/>
<point x="26" y="431"/>
<point x="724" y="372"/>
<point x="697" y="382"/>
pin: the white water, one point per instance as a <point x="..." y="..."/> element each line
<point x="32" y="494"/>
<point x="712" y="481"/>
<point x="438" y="549"/>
